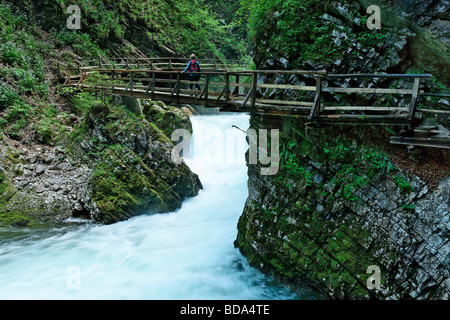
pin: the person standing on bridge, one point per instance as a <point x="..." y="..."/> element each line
<point x="194" y="67"/>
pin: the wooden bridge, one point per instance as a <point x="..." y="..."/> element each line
<point x="243" y="91"/>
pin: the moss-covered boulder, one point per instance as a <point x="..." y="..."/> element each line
<point x="134" y="172"/>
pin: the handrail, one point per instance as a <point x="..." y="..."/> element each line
<point x="241" y="90"/>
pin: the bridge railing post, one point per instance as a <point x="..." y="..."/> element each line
<point x="130" y="84"/>
<point x="153" y="83"/>
<point x="113" y="79"/>
<point x="236" y="88"/>
<point x="177" y="86"/>
<point x="253" y="90"/>
<point x="315" y="110"/>
<point x="206" y="88"/>
<point x="415" y="95"/>
<point x="227" y="87"/>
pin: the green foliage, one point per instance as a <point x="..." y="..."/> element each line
<point x="7" y="96"/>
<point x="409" y="207"/>
<point x="181" y="27"/>
<point x="24" y="89"/>
<point x="402" y="183"/>
<point x="289" y="29"/>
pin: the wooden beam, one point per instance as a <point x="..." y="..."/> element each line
<point x="286" y="102"/>
<point x="253" y="90"/>
<point x="247" y="97"/>
<point x="227" y="87"/>
<point x="362" y="108"/>
<point x="236" y="88"/>
<point x="412" y="108"/>
<point x="366" y="90"/>
<point x="315" y="110"/>
<point x="378" y="75"/>
<point x="435" y="111"/>
<point x="286" y="86"/>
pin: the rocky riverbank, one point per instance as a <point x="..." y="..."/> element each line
<point x="115" y="165"/>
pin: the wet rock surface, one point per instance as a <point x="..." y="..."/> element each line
<point x="49" y="187"/>
<point x="328" y="225"/>
<point x="120" y="166"/>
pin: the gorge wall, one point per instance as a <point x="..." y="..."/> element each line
<point x="338" y="207"/>
<point x="344" y="199"/>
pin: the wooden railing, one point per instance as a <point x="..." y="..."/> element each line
<point x="243" y="91"/>
<point x="170" y="63"/>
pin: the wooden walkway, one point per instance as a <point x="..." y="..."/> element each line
<point x="242" y="91"/>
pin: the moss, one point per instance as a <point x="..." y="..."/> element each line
<point x="6" y="189"/>
<point x="124" y="148"/>
<point x="18" y="219"/>
<point x="167" y="117"/>
<point x="126" y="192"/>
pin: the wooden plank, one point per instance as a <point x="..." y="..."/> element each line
<point x="247" y="97"/>
<point x="444" y="95"/>
<point x="422" y="142"/>
<point x="435" y="111"/>
<point x="366" y="90"/>
<point x="286" y="86"/>
<point x="218" y="98"/>
<point x="378" y="75"/>
<point x="362" y="108"/>
<point x="285" y="102"/>
<point x="296" y="72"/>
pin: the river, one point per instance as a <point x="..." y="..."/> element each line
<point x="187" y="254"/>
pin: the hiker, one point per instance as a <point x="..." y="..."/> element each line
<point x="194" y="67"/>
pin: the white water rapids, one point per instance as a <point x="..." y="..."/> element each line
<point x="187" y="254"/>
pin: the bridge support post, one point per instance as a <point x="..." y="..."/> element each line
<point x="206" y="96"/>
<point x="415" y="95"/>
<point x="253" y="90"/>
<point x="153" y="84"/>
<point x="315" y="110"/>
<point x="227" y="86"/>
<point x="236" y="88"/>
<point x="177" y="90"/>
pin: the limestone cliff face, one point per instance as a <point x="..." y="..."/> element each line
<point x="335" y="209"/>
<point x="429" y="44"/>
<point x="344" y="200"/>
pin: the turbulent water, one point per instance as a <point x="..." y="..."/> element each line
<point x="187" y="254"/>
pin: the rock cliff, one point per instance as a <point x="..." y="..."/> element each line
<point x="335" y="209"/>
<point x="344" y="200"/>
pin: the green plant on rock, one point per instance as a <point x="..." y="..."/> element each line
<point x="402" y="183"/>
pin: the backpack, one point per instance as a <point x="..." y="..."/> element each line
<point x="194" y="65"/>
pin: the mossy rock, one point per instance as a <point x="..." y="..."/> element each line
<point x="134" y="172"/>
<point x="31" y="210"/>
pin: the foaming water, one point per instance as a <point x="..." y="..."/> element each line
<point x="187" y="254"/>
